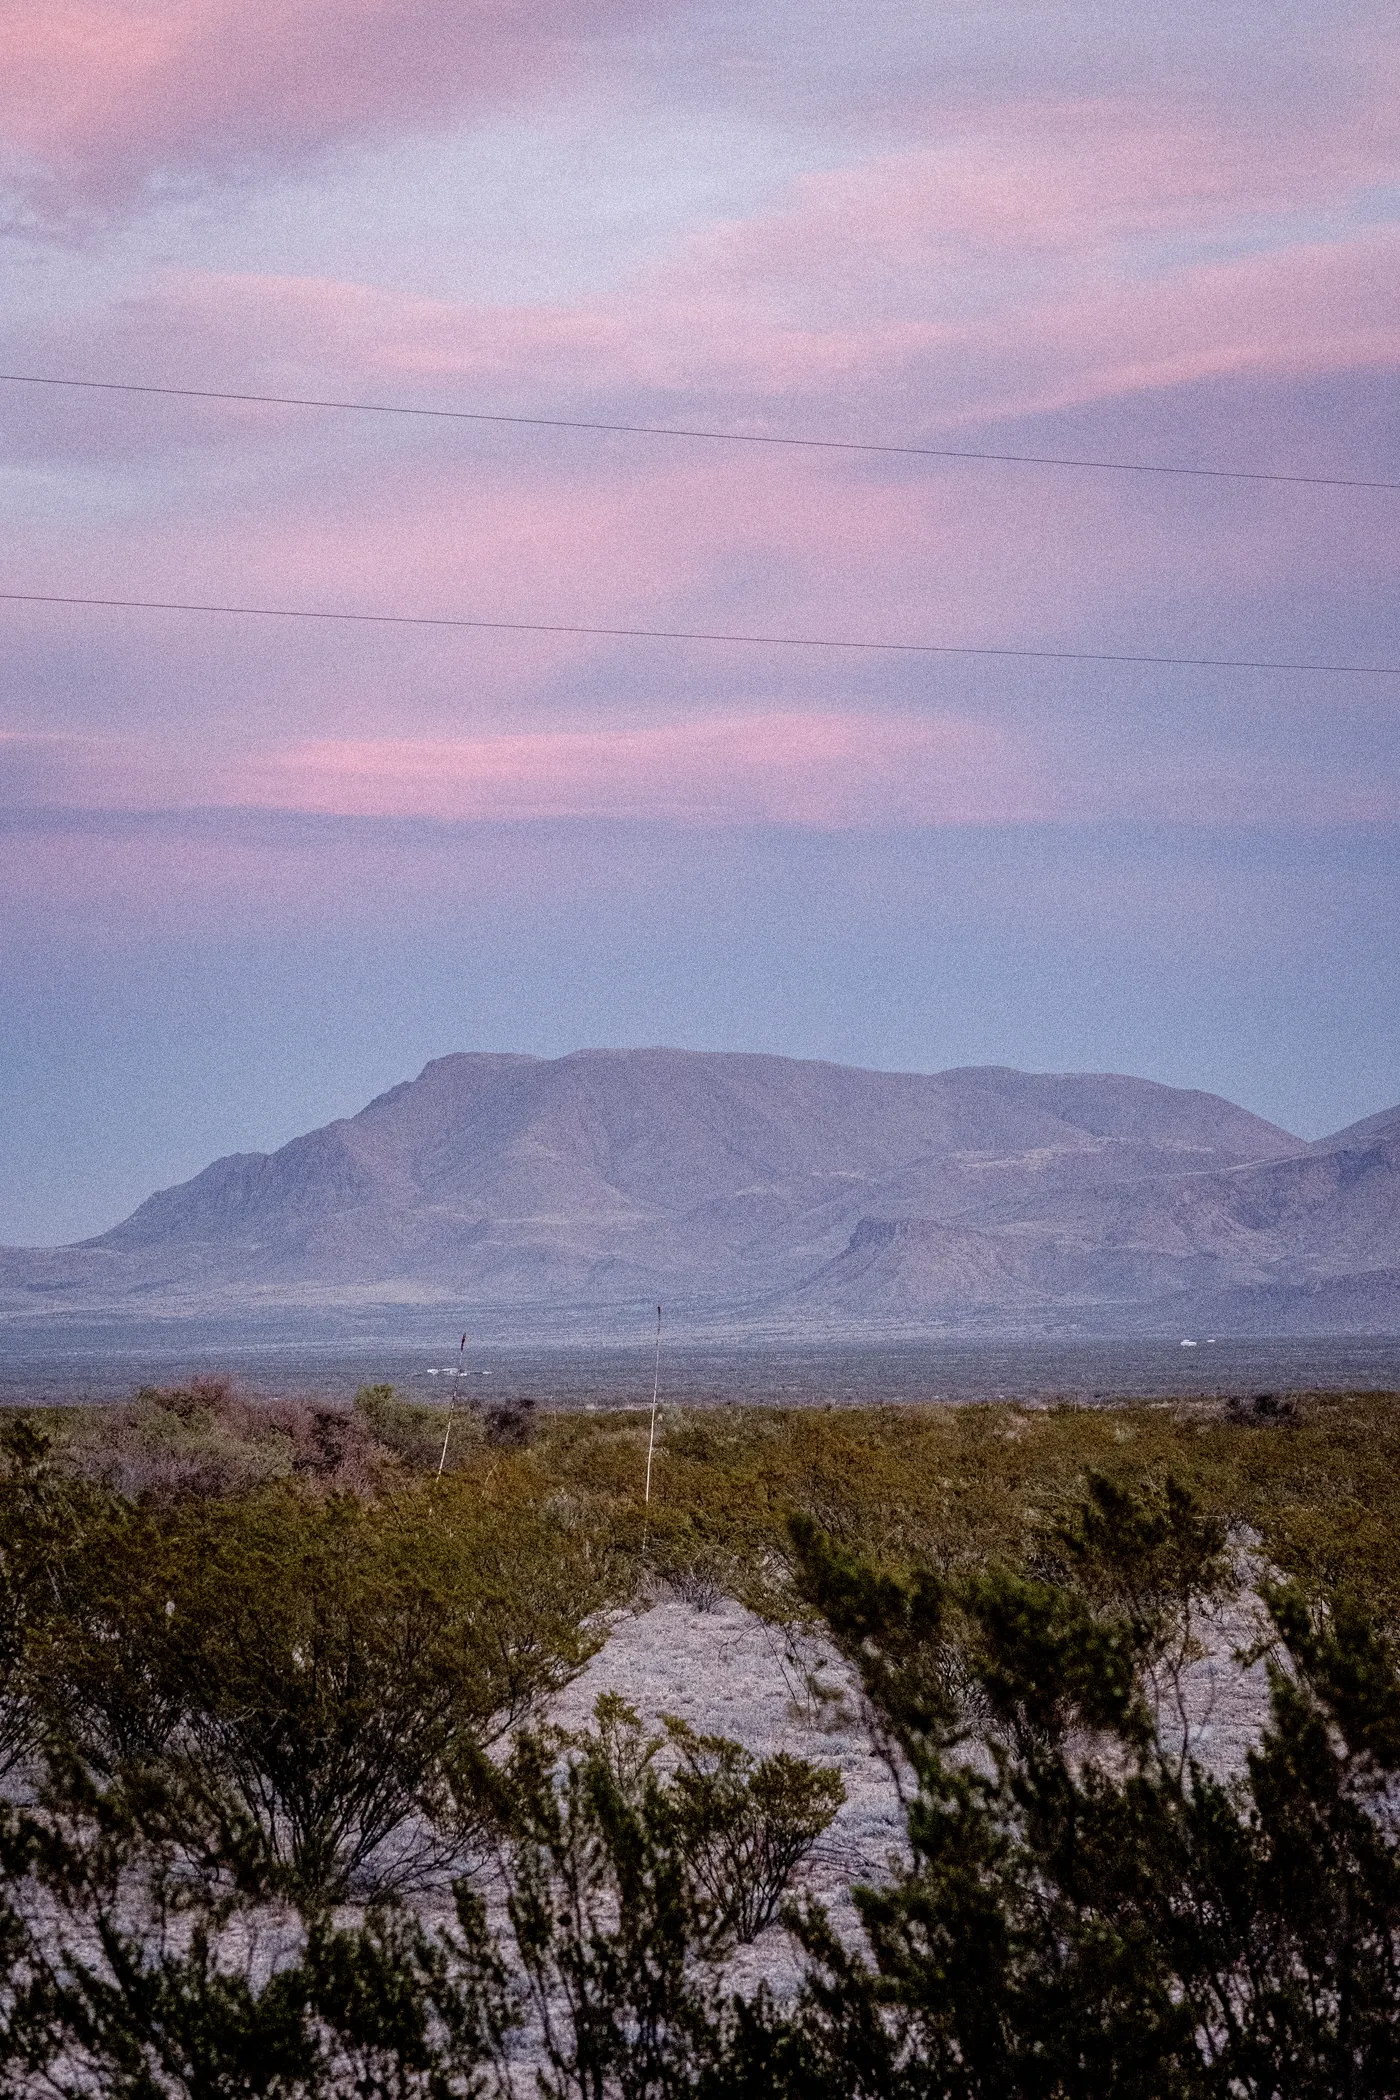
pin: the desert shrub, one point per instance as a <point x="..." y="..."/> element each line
<point x="747" y="1824"/>
<point x="944" y="1487"/>
<point x="208" y="1438"/>
<point x="341" y="1660"/>
<point x="42" y="1515"/>
<point x="609" y="1931"/>
<point x="1262" y="1410"/>
<point x="1156" y="1565"/>
<point x="146" y="1956"/>
<point x="108" y="1679"/>
<point x="412" y="1432"/>
<point x="698" y="1582"/>
<point x="951" y="1488"/>
<point x="510" y="1424"/>
<point x="1147" y="1558"/>
<point x="1086" y="1912"/>
<point x="629" y="1883"/>
<point x="87" y="1588"/>
<point x="323" y="1665"/>
<point x="148" y="1959"/>
<point x="1082" y="1910"/>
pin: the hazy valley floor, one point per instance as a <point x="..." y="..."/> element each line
<point x="59" y="1365"/>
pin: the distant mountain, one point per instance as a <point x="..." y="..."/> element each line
<point x="539" y="1193"/>
<point x="1357" y="1136"/>
<point x="1299" y="1244"/>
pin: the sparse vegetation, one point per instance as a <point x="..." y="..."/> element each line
<point x="1087" y="1912"/>
<point x="316" y="1666"/>
<point x="1314" y="1478"/>
<point x="262" y="1674"/>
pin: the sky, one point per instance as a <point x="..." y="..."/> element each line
<point x="255" y="870"/>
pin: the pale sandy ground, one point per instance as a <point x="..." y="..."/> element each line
<point x="726" y="1672"/>
<point x="1226" y="1705"/>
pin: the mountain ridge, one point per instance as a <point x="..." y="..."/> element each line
<point x="742" y="1186"/>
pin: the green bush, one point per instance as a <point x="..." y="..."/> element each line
<point x="629" y="1884"/>
<point x="413" y="1433"/>
<point x="339" y="1660"/>
<point x="747" y="1824"/>
<point x="146" y="1958"/>
<point x="323" y="1665"/>
<point x="1083" y="1911"/>
<point x="1088" y="1912"/>
<point x="209" y="1438"/>
<point x="1317" y="1480"/>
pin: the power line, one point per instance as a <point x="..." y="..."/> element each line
<point x="723" y="437"/>
<point x="704" y="634"/>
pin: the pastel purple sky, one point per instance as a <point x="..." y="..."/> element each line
<point x="255" y="871"/>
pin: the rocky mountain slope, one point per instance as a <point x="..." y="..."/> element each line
<point x="746" y="1188"/>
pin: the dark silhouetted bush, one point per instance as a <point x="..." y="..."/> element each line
<point x="245" y="1719"/>
<point x="1088" y="1912"/>
<point x="511" y="1424"/>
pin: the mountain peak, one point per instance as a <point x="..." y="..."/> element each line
<point x="738" y="1184"/>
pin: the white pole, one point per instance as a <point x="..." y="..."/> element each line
<point x="451" y="1403"/>
<point x="651" y="1442"/>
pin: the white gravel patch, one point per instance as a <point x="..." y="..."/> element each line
<point x="725" y="1671"/>
<point x="1225" y="1702"/>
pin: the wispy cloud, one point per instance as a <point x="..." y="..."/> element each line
<point x="109" y="97"/>
<point x="830" y="771"/>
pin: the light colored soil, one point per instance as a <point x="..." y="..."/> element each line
<point x="725" y="1672"/>
<point x="1226" y="1704"/>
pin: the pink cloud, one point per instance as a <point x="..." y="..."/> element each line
<point x="1036" y="256"/>
<point x="1311" y="307"/>
<point x="106" y="93"/>
<point x="831" y="771"/>
<point x="1033" y="178"/>
<point x="1055" y="256"/>
<point x="385" y="721"/>
<point x="828" y="771"/>
<point x="798" y="326"/>
<point x="830" y="311"/>
<point x="640" y="535"/>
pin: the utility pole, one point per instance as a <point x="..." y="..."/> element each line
<point x="651" y="1441"/>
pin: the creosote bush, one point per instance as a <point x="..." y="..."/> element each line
<point x="246" y="1712"/>
<point x="340" y="1661"/>
<point x="1316" y="1480"/>
<point x="411" y="1433"/>
<point x="747" y="1823"/>
<point x="319" y="1666"/>
<point x="633" y="1865"/>
<point x="951" y="1488"/>
<point x="208" y="1438"/>
<point x="1087" y="1911"/>
<point x="1082" y="1911"/>
<point x="147" y="1955"/>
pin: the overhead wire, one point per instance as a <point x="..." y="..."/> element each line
<point x="708" y="435"/>
<point x="705" y="634"/>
